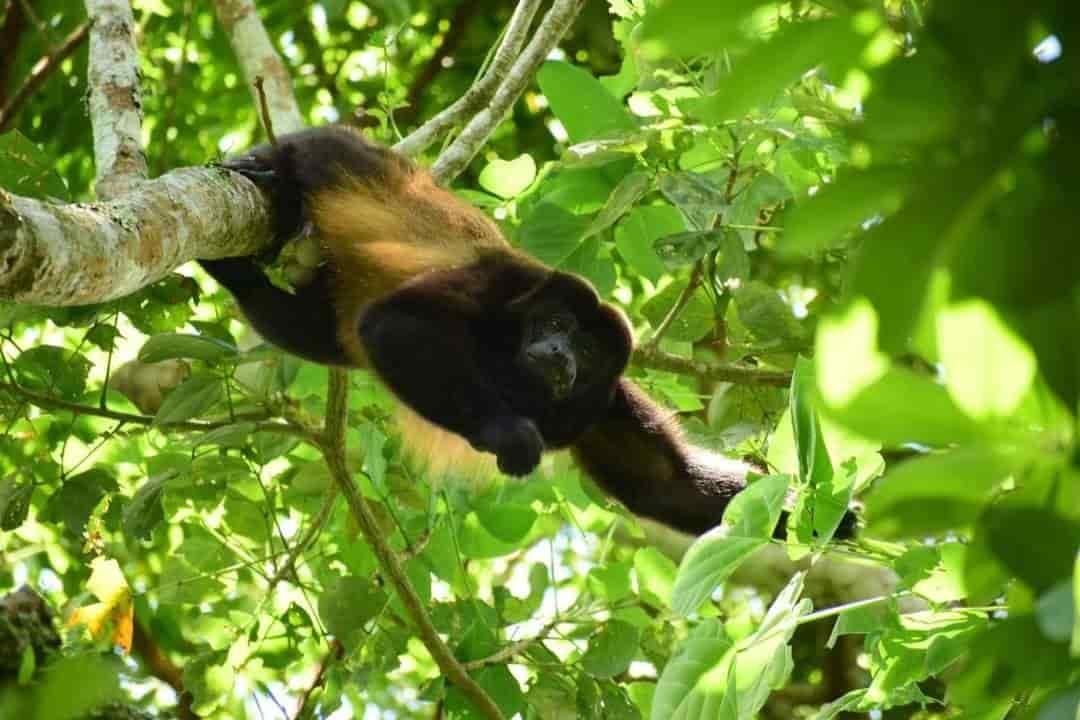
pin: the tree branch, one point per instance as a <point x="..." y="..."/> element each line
<point x="115" y="102"/>
<point x="160" y="666"/>
<point x="48" y="402"/>
<point x="61" y="255"/>
<point x="258" y="59"/>
<point x="334" y="452"/>
<point x="10" y="35"/>
<point x="481" y="92"/>
<point x="39" y="73"/>
<point x="464" y="148"/>
<point x="723" y="372"/>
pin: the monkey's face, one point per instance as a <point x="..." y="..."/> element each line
<point x="571" y="345"/>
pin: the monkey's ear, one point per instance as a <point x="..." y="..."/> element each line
<point x="558" y="287"/>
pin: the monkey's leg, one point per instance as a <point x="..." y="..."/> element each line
<point x="303" y="324"/>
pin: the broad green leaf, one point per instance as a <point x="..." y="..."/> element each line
<point x="655" y="574"/>
<point x="611" y="650"/>
<point x="695" y="678"/>
<point x="583" y="105"/>
<point x="848" y="360"/>
<point x="629" y="190"/>
<point x="76" y="499"/>
<point x="552" y="234"/>
<point x="509" y="522"/>
<point x="143" y="512"/>
<point x="177" y="345"/>
<point x="901" y="407"/>
<point x="748" y="524"/>
<point x="182" y="584"/>
<point x="508" y="178"/>
<point x="765" y="313"/>
<point x="988" y="369"/>
<point x="935" y="493"/>
<point x="26" y="170"/>
<point x="1054" y="611"/>
<point x="814" y="464"/>
<point x="768" y="69"/>
<point x="637" y="233"/>
<point x="686" y="248"/>
<point x="694" y="321"/>
<point x="826" y="219"/>
<point x="698" y="198"/>
<point x="14" y="501"/>
<point x="684" y="28"/>
<point x="52" y="370"/>
<point x="76" y="685"/>
<point x="347" y="605"/>
<point x="190" y="399"/>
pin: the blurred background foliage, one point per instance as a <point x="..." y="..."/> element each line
<point x="885" y="186"/>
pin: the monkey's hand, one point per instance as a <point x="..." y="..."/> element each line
<point x="516" y="443"/>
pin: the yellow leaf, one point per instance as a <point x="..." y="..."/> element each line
<point x="114" y="616"/>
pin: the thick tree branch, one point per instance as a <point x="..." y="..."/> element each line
<point x="115" y="102"/>
<point x="464" y="148"/>
<point x="39" y="73"/>
<point x="158" y="664"/>
<point x="78" y="254"/>
<point x="482" y="90"/>
<point x="10" y="34"/>
<point x="258" y="59"/>
<point x="334" y="452"/>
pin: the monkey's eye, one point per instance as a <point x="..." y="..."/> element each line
<point x="555" y="324"/>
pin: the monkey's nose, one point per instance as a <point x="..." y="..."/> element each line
<point x="557" y="368"/>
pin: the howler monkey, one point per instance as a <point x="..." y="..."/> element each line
<point x="474" y="336"/>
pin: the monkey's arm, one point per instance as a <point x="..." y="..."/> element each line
<point x="636" y="454"/>
<point x="421" y="341"/>
<point x="303" y="324"/>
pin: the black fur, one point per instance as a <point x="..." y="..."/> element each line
<point x="468" y="349"/>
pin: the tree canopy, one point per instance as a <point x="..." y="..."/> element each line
<point x="843" y="232"/>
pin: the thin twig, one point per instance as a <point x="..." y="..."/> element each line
<point x="48" y="402"/>
<point x="333" y="655"/>
<point x="264" y="110"/>
<point x="316" y="526"/>
<point x="39" y="73"/>
<point x="158" y="664"/>
<point x="460" y="153"/>
<point x="334" y="451"/>
<point x="684" y="297"/>
<point x="722" y="372"/>
<point x="482" y="90"/>
<point x="510" y="651"/>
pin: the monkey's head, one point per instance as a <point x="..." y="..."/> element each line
<point x="571" y="348"/>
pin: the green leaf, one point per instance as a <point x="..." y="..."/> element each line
<point x="508" y="178"/>
<point x="14" y="502"/>
<point x="655" y="575"/>
<point x="838" y="209"/>
<point x="76" y="499"/>
<point x="347" y="605"/>
<point x="683" y="249"/>
<point x="814" y="464"/>
<point x="26" y="170"/>
<point x="53" y="370"/>
<point x="581" y="102"/>
<point x="768" y="69"/>
<point x="935" y="493"/>
<point x="765" y="313"/>
<point x="168" y="346"/>
<point x="696" y="319"/>
<point x="988" y="369"/>
<point x="611" y="650"/>
<point x="698" y="198"/>
<point x="1054" y="611"/>
<point x="74" y="686"/>
<point x="684" y="28"/>
<point x="552" y="234"/>
<point x="182" y="584"/>
<point x="1074" y="648"/>
<point x="637" y="233"/>
<point x="508" y="522"/>
<point x="190" y="399"/>
<point x="748" y="524"/>
<point x="629" y="190"/>
<point x="143" y="512"/>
